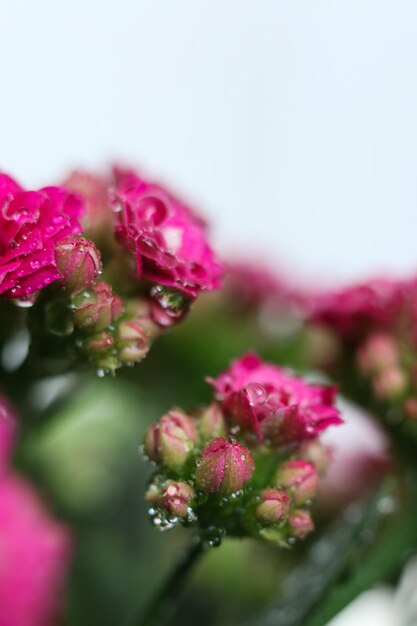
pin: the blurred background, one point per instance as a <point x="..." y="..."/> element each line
<point x="291" y="124"/>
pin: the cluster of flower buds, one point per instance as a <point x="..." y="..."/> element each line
<point x="247" y="464"/>
<point x="163" y="264"/>
<point x="377" y="322"/>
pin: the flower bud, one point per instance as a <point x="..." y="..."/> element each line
<point x="318" y="453"/>
<point x="390" y="383"/>
<point x="78" y="262"/>
<point x="132" y="342"/>
<point x="99" y="343"/>
<point x="378" y="353"/>
<point x="225" y="466"/>
<point x="300" y="478"/>
<point x="274" y="506"/>
<point x="171" y="440"/>
<point x="174" y="497"/>
<point x="96" y="308"/>
<point x="300" y="523"/>
<point x="140" y="309"/>
<point x="211" y="422"/>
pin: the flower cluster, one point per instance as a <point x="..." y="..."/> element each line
<point x="249" y="463"/>
<point x="32" y="225"/>
<point x="377" y="323"/>
<point x="356" y="310"/>
<point x="34" y="548"/>
<point x="111" y="322"/>
<point x="168" y="240"/>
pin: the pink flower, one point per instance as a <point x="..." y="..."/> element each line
<point x="224" y="466"/>
<point x="34" y="549"/>
<point x="34" y="553"/>
<point x="32" y="223"/>
<point x="167" y="239"/>
<point x="250" y="283"/>
<point x="274" y="404"/>
<point x="358" y="309"/>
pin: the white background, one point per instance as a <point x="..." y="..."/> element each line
<point x="291" y="123"/>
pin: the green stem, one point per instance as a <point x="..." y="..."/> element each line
<point x="165" y="603"/>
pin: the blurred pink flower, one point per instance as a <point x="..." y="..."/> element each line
<point x="250" y="283"/>
<point x="360" y="456"/>
<point x="167" y="239"/>
<point x="274" y="404"/>
<point x="34" y="548"/>
<point x="32" y="223"/>
<point x="358" y="309"/>
<point x="95" y="192"/>
<point x="34" y="553"/>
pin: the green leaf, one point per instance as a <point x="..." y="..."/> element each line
<point x="355" y="552"/>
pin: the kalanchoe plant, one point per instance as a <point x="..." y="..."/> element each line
<point x="239" y="466"/>
<point x="92" y="272"/>
<point x="105" y="305"/>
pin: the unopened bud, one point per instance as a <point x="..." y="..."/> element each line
<point x="140" y="309"/>
<point x="378" y="353"/>
<point x="175" y="497"/>
<point x="99" y="342"/>
<point x="171" y="440"/>
<point x="390" y="383"/>
<point x="96" y="308"/>
<point x="300" y="523"/>
<point x="132" y="342"/>
<point x="211" y="422"/>
<point x="101" y="350"/>
<point x="274" y="506"/>
<point x="318" y="453"/>
<point x="78" y="262"/>
<point x="300" y="478"/>
<point x="225" y="466"/>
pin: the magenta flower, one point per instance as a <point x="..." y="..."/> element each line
<point x="358" y="309"/>
<point x="275" y="405"/>
<point x="32" y="223"/>
<point x="34" y="554"/>
<point x="34" y="549"/>
<point x="167" y="239"/>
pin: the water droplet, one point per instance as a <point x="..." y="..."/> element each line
<point x="256" y="394"/>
